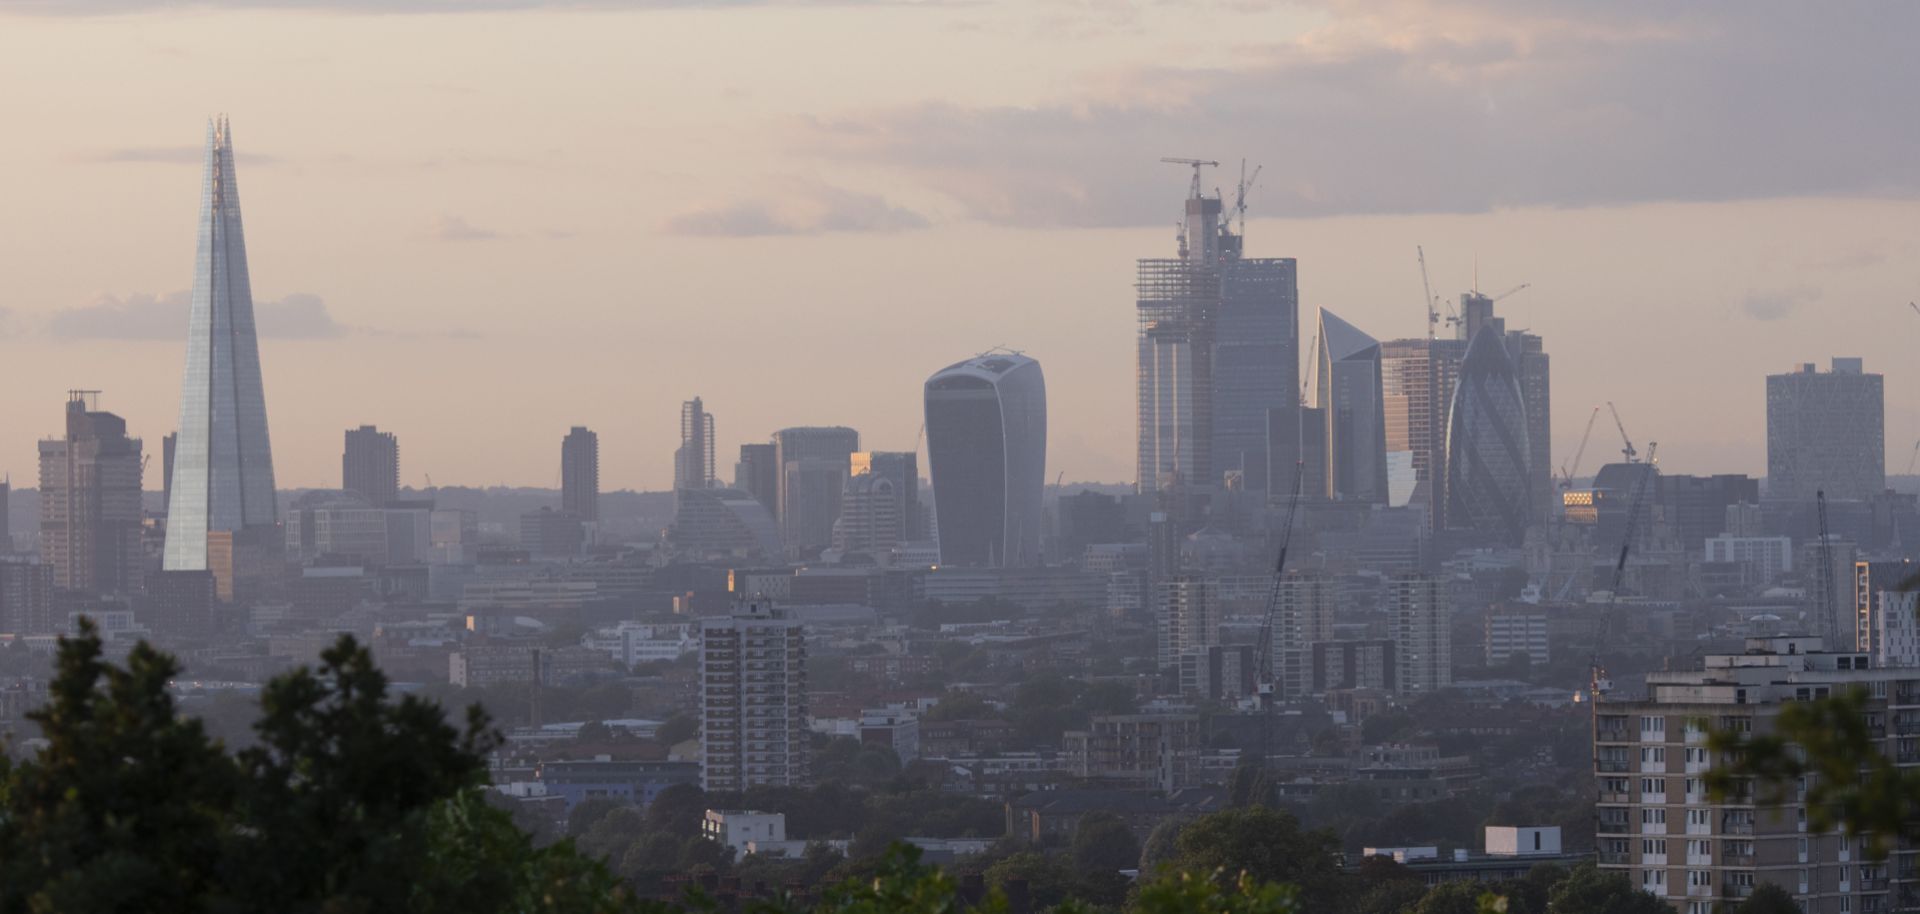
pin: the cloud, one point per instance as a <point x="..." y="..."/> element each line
<point x="146" y="316"/>
<point x="117" y="7"/>
<point x="800" y="208"/>
<point x="169" y="155"/>
<point x="456" y="228"/>
<point x="1772" y="306"/>
<point x="1445" y="106"/>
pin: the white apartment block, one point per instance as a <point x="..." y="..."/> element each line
<point x="753" y="700"/>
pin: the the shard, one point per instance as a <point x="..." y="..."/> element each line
<point x="222" y="481"/>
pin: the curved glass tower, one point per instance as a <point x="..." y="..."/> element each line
<point x="987" y="454"/>
<point x="1488" y="486"/>
<point x="223" y="465"/>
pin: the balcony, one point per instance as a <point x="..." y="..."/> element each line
<point x="1736" y="859"/>
<point x="1621" y="827"/>
<point x="1610" y="797"/>
<point x="1612" y="735"/>
<point x="1872" y="885"/>
<point x="1731" y="890"/>
<point x="1612" y="765"/>
<point x="1614" y="858"/>
<point x="1736" y="828"/>
<point x="1700" y="891"/>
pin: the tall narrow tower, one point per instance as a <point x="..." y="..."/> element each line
<point x="693" y="462"/>
<point x="222" y="486"/>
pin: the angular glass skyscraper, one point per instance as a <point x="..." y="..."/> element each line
<point x="223" y="464"/>
<point x="987" y="453"/>
<point x="1489" y="484"/>
<point x="1349" y="394"/>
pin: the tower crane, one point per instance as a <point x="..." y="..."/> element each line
<point x="1195" y="164"/>
<point x="1599" y="683"/>
<point x="1914" y="457"/>
<point x="1266" y="691"/>
<point x="1568" y="470"/>
<point x="1240" y="195"/>
<point x="1823" y="577"/>
<point x="1632" y="455"/>
<point x="1521" y="287"/>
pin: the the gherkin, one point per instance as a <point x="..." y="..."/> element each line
<point x="223" y="464"/>
<point x="1488" y="487"/>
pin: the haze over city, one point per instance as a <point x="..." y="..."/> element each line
<point x="478" y="224"/>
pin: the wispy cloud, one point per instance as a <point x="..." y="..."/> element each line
<point x="799" y="208"/>
<point x="1777" y="304"/>
<point x="415" y="7"/>
<point x="168" y="155"/>
<point x="147" y="316"/>
<point x="457" y="228"/>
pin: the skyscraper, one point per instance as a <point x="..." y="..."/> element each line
<point x="1417" y="378"/>
<point x="370" y="465"/>
<point x="754" y="726"/>
<point x="758" y="475"/>
<point x="1218" y="347"/>
<point x="1489" y="479"/>
<point x="223" y="463"/>
<point x="880" y="508"/>
<point x="987" y="456"/>
<point x="813" y="466"/>
<point x="1349" y="391"/>
<point x="693" y="461"/>
<point x="1532" y="369"/>
<point x="6" y="526"/>
<point x="580" y="474"/>
<point x="90" y="511"/>
<point x="1826" y="432"/>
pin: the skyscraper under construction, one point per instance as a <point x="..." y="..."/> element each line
<point x="1219" y="346"/>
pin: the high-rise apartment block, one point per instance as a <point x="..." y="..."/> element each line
<point x="813" y="465"/>
<point x="370" y="465"/>
<point x="26" y="597"/>
<point x="1303" y="617"/>
<point x="222" y="477"/>
<point x="1218" y="347"/>
<point x="754" y="726"/>
<point x="987" y="456"/>
<point x="1421" y="626"/>
<point x="580" y="474"/>
<point x="1658" y="824"/>
<point x="1188" y="616"/>
<point x="693" y="460"/>
<point x="1826" y="431"/>
<point x="90" y="513"/>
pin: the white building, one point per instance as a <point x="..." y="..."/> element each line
<point x="1768" y="556"/>
<point x="633" y="643"/>
<point x="740" y="829"/>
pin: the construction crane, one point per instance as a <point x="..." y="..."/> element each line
<point x="1915" y="456"/>
<point x="1823" y="577"/>
<point x="1426" y="290"/>
<point x="1240" y="195"/>
<point x="1195" y="164"/>
<point x="1521" y="287"/>
<point x="1567" y="470"/>
<point x="1598" y="682"/>
<point x="1632" y="455"/>
<point x="1266" y="689"/>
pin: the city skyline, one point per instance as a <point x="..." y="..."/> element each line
<point x="1771" y="267"/>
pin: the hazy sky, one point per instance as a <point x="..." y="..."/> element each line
<point x="476" y="224"/>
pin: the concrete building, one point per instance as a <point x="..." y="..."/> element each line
<point x="1218" y="347"/>
<point x="1826" y="431"/>
<point x="1348" y="391"/>
<point x="693" y="465"/>
<point x="1421" y="627"/>
<point x="813" y="466"/>
<point x="1765" y="557"/>
<point x="1517" y="630"/>
<point x="1659" y="826"/>
<point x="1150" y="751"/>
<point x="90" y="514"/>
<point x="880" y="508"/>
<point x="1303" y="618"/>
<point x="580" y="474"/>
<point x="26" y="597"/>
<point x="891" y="728"/>
<point x="758" y="475"/>
<point x="370" y="465"/>
<point x="741" y="829"/>
<point x="754" y="723"/>
<point x="547" y="533"/>
<point x="1187" y="611"/>
<point x="987" y="458"/>
<point x="221" y="513"/>
<point x="1361" y="664"/>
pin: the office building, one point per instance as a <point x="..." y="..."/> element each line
<point x="1659" y="825"/>
<point x="754" y="725"/>
<point x="347" y="526"/>
<point x="693" y="460"/>
<point x="1417" y="378"/>
<point x="1489" y="481"/>
<point x="1218" y="347"/>
<point x="1826" y="431"/>
<point x="1532" y="373"/>
<point x="1696" y="506"/>
<point x="880" y="508"/>
<point x="1763" y="558"/>
<point x="167" y="446"/>
<point x="813" y="466"/>
<point x="90" y="513"/>
<point x="1297" y="443"/>
<point x="1348" y="391"/>
<point x="6" y="525"/>
<point x="222" y="479"/>
<point x="728" y="523"/>
<point x="370" y="465"/>
<point x="1421" y="626"/>
<point x="580" y="474"/>
<point x="26" y="597"/>
<point x="987" y="458"/>
<point x="1513" y="631"/>
<point x="180" y="603"/>
<point x="758" y="475"/>
<point x="547" y="533"/>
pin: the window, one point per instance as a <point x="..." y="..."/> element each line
<point x="1654" y="753"/>
<point x="1803" y="850"/>
<point x="1654" y="816"/>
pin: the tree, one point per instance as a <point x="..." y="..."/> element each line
<point x="1046" y="881"/>
<point x="1104" y="844"/>
<point x="1769" y="898"/>
<point x="593" y="731"/>
<point x="676" y="730"/>
<point x="678" y="811"/>
<point x="588" y="812"/>
<point x="1587" y="890"/>
<point x="1267" y="844"/>
<point x="1452" y="898"/>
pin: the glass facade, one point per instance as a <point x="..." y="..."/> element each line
<point x="1489" y="484"/>
<point x="1349" y="392"/>
<point x="987" y="454"/>
<point x="223" y="463"/>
